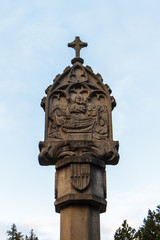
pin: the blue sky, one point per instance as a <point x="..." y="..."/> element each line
<point x="124" y="47"/>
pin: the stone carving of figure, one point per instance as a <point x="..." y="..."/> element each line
<point x="79" y="105"/>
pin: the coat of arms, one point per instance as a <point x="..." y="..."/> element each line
<point x="80" y="178"/>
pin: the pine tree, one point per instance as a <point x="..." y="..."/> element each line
<point x="12" y="233"/>
<point x="32" y="236"/>
<point x="150" y="229"/>
<point x="125" y="232"/>
<point x="19" y="236"/>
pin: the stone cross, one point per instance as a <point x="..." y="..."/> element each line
<point x="79" y="142"/>
<point x="77" y="44"/>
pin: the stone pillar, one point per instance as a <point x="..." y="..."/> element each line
<point x="79" y="142"/>
<point x="80" y="222"/>
<point x="80" y="189"/>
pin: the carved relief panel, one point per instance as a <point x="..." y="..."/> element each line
<point x="78" y="117"/>
<point x="78" y="110"/>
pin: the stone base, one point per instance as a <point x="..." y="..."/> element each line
<point x="80" y="223"/>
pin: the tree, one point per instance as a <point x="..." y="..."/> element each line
<point x="13" y="234"/>
<point x="32" y="236"/>
<point x="150" y="230"/>
<point x="125" y="232"/>
<point x="19" y="236"/>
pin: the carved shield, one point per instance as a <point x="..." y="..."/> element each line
<point x="80" y="178"/>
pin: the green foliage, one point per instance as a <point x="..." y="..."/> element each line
<point x="150" y="230"/>
<point x="125" y="232"/>
<point x="14" y="235"/>
<point x="32" y="236"/>
<point x="19" y="236"/>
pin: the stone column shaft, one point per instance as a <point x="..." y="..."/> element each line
<point x="80" y="223"/>
<point x="80" y="187"/>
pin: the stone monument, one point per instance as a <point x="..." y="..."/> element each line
<point x="79" y="142"/>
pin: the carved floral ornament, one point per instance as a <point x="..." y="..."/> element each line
<point x="78" y="117"/>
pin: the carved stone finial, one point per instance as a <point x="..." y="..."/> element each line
<point x="77" y="44"/>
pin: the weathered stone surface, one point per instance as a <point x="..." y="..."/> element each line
<point x="80" y="180"/>
<point x="79" y="142"/>
<point x="80" y="222"/>
<point x="78" y="118"/>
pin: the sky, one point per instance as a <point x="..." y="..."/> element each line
<point x="123" y="39"/>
